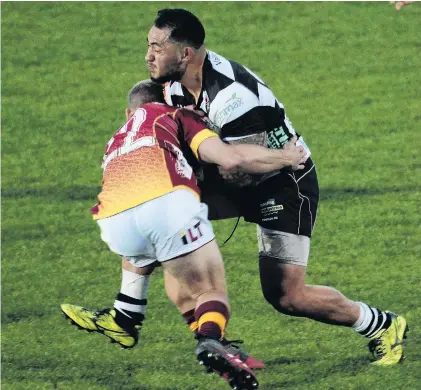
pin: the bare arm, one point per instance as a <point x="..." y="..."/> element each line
<point x="249" y="158"/>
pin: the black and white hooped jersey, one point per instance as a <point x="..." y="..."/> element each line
<point x="237" y="102"/>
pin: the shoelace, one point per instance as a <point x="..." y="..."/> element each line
<point x="232" y="347"/>
<point x="104" y="311"/>
<point x="377" y="348"/>
<point x="108" y="310"/>
<point x="232" y="343"/>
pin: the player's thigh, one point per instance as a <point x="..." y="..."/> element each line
<point x="197" y="271"/>
<point x="280" y="280"/>
<point x="283" y="259"/>
<point x="286" y="248"/>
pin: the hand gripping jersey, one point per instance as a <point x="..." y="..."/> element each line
<point x="145" y="158"/>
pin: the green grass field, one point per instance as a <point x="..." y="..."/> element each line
<point x="349" y="76"/>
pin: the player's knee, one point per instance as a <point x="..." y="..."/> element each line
<point x="284" y="301"/>
<point x="290" y="304"/>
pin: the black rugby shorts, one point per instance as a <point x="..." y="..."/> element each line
<point x="286" y="202"/>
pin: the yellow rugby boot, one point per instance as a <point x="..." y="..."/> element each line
<point x="387" y="345"/>
<point x="102" y="322"/>
<point x="81" y="317"/>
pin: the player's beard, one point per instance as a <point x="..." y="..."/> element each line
<point x="174" y="73"/>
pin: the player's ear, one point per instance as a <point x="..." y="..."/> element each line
<point x="129" y="113"/>
<point x="188" y="53"/>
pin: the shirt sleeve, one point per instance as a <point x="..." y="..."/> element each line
<point x="193" y="129"/>
<point x="241" y="114"/>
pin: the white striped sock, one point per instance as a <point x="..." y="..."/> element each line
<point x="370" y="321"/>
<point x="364" y="319"/>
<point x="123" y="307"/>
<point x="134" y="285"/>
<point x="131" y="301"/>
<point x="375" y="329"/>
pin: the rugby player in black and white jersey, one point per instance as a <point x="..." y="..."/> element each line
<point x="283" y="205"/>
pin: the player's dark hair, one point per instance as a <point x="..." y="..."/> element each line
<point x="185" y="27"/>
<point x="145" y="91"/>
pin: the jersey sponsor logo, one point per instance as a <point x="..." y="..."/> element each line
<point x="270" y="209"/>
<point x="230" y="105"/>
<point x="192" y="234"/>
<point x="214" y="59"/>
<point x="276" y="138"/>
<point x="270" y="202"/>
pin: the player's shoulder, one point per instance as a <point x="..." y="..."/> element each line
<point x="219" y="64"/>
<point x="230" y="68"/>
<point x="152" y="111"/>
<point x="224" y="73"/>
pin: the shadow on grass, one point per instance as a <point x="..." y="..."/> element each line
<point x="14" y="317"/>
<point x="349" y="366"/>
<point x="65" y="369"/>
<point x="284" y="360"/>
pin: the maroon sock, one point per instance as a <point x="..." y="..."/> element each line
<point x="212" y="318"/>
<point x="190" y="320"/>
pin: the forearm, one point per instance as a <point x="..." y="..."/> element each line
<point x="257" y="159"/>
<point x="249" y="158"/>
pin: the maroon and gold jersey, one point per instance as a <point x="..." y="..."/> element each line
<point x="144" y="158"/>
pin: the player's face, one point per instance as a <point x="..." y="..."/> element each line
<point x="164" y="58"/>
